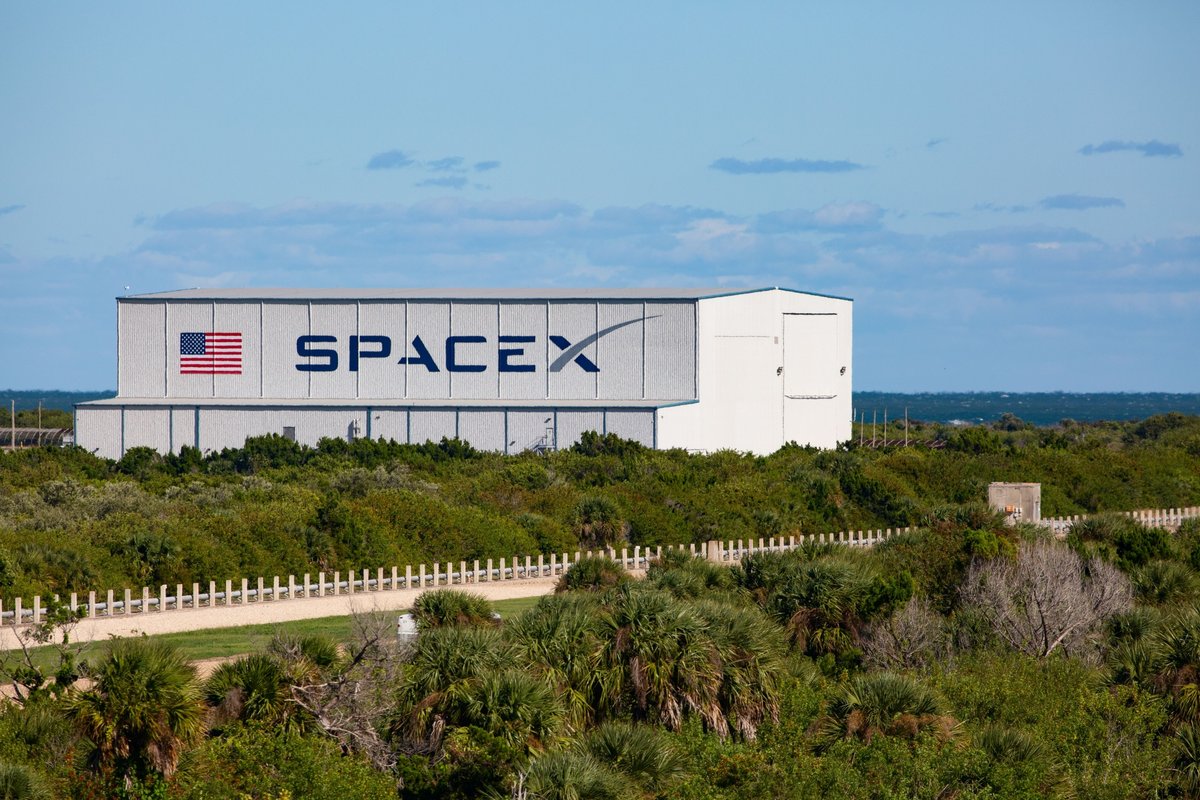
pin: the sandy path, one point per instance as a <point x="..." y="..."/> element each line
<point x="258" y="613"/>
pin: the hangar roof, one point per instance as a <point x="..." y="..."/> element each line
<point x="624" y="293"/>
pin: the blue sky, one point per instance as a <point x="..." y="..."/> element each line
<point x="1010" y="193"/>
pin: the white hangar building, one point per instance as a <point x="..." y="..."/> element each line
<point x="507" y="369"/>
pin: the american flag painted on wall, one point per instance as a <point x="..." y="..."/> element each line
<point x="210" y="353"/>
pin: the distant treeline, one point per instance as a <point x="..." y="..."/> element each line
<point x="1039" y="408"/>
<point x="57" y="408"/>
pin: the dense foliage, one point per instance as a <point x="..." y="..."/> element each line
<point x="72" y="522"/>
<point x="912" y="669"/>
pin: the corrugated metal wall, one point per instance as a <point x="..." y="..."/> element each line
<point x="611" y="350"/>
<point x="98" y="430"/>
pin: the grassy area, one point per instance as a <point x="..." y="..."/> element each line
<point x="226" y="642"/>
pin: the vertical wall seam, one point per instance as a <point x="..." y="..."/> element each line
<point x="262" y="348"/>
<point x="120" y="388"/>
<point x="166" y="349"/>
<point x="643" y="349"/>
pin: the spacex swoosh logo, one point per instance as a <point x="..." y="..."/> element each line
<point x="574" y="352"/>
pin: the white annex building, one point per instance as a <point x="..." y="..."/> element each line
<point x="506" y="369"/>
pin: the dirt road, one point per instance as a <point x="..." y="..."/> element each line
<point x="155" y="622"/>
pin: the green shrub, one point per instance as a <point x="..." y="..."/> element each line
<point x="443" y="608"/>
<point x="258" y="762"/>
<point x="593" y="574"/>
<point x="1120" y="540"/>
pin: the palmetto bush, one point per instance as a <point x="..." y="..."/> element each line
<point x="751" y="650"/>
<point x="592" y="573"/>
<point x="559" y="641"/>
<point x="643" y="754"/>
<point x="690" y="577"/>
<point x="883" y="704"/>
<point x="1009" y="745"/>
<point x="823" y="598"/>
<point x="1163" y="582"/>
<point x="450" y="607"/>
<point x="1166" y="660"/>
<point x="642" y="651"/>
<point x="571" y="775"/>
<point x="19" y="782"/>
<point x="143" y="710"/>
<point x="513" y="706"/>
<point x="445" y="668"/>
<point x="252" y="689"/>
<point x="664" y="661"/>
<point x="1186" y="763"/>
<point x="1133" y="625"/>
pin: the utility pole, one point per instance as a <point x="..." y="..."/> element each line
<point x="874" y="416"/>
<point x="906" y="426"/>
<point x="13" y="426"/>
<point x="885" y="426"/>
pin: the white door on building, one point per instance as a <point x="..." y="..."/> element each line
<point x="810" y="377"/>
<point x="810" y="356"/>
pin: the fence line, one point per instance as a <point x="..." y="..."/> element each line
<point x="1168" y="518"/>
<point x="483" y="571"/>
<point x="241" y="593"/>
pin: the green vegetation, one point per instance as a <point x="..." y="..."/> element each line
<point x="906" y="670"/>
<point x="72" y="522"/>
